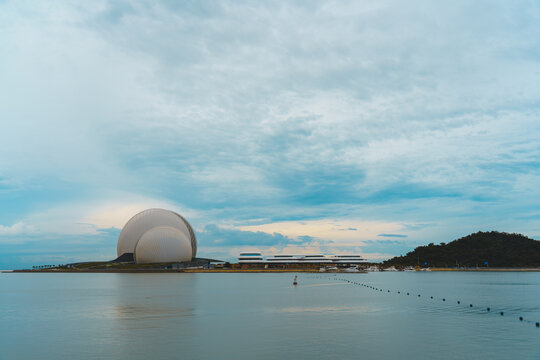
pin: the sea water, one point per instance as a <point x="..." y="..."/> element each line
<point x="263" y="316"/>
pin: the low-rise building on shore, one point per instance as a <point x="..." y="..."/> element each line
<point x="255" y="259"/>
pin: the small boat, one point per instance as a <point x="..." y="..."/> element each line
<point x="391" y="268"/>
<point x="409" y="268"/>
<point x="353" y="269"/>
<point x="373" y="268"/>
<point x="329" y="269"/>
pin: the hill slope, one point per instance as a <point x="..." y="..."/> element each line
<point x="498" y="249"/>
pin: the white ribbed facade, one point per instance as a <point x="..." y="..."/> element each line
<point x="158" y="235"/>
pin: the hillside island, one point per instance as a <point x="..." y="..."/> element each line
<point x="479" y="250"/>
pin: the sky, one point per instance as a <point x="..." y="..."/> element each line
<point x="365" y="127"/>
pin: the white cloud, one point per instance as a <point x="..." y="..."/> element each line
<point x="340" y="232"/>
<point x="87" y="218"/>
<point x="19" y="228"/>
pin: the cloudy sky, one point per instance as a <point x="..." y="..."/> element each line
<point x="321" y="126"/>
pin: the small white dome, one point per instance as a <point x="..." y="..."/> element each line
<point x="163" y="244"/>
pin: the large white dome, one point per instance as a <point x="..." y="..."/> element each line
<point x="146" y="220"/>
<point x="162" y="244"/>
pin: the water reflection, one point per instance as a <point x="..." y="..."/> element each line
<point x="134" y="312"/>
<point x="325" y="309"/>
<point x="147" y="305"/>
<point x="323" y="284"/>
<point x="153" y="296"/>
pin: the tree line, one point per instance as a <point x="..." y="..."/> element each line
<point x="481" y="249"/>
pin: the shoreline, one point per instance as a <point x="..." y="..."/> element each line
<point x="170" y="271"/>
<point x="258" y="271"/>
<point x="489" y="269"/>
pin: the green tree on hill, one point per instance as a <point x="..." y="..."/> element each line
<point x="493" y="249"/>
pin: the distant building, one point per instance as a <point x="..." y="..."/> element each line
<point x="250" y="258"/>
<point x="157" y="236"/>
<point x="288" y="259"/>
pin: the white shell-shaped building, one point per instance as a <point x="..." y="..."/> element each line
<point x="162" y="244"/>
<point x="158" y="236"/>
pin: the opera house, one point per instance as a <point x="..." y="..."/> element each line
<point x="157" y="236"/>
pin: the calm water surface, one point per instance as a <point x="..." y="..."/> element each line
<point x="247" y="316"/>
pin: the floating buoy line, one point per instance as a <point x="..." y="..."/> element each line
<point x="367" y="286"/>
